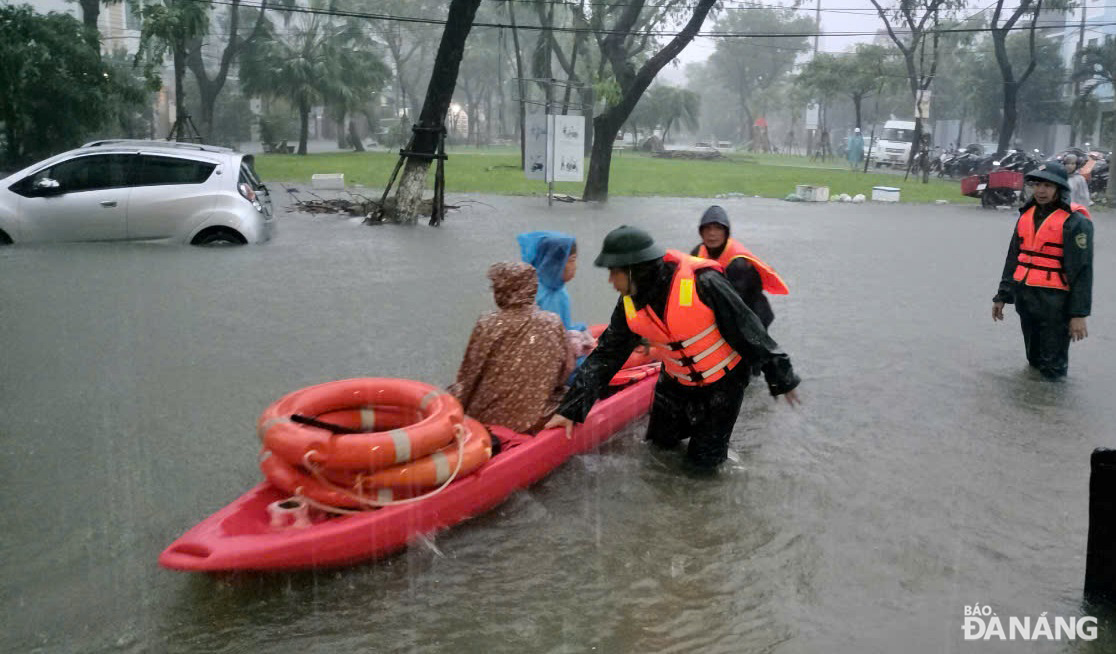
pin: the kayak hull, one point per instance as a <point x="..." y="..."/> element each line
<point x="240" y="537"/>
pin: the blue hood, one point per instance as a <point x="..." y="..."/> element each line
<point x="548" y="252"/>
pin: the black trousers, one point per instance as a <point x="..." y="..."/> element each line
<point x="1042" y="315"/>
<point x="703" y="414"/>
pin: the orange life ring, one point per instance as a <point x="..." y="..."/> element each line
<point x="395" y="400"/>
<point x="429" y="471"/>
<point x="405" y="481"/>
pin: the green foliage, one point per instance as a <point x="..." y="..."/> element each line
<point x="1097" y="64"/>
<point x="55" y="90"/>
<point x="663" y="106"/>
<point x="166" y="25"/>
<point x="1040" y="96"/>
<point x="607" y="89"/>
<point x="867" y="70"/>
<point x="749" y="68"/>
<point x="316" y="61"/>
<point x="232" y="115"/>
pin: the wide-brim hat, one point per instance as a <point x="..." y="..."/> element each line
<point x="1050" y="171"/>
<point x="627" y="246"/>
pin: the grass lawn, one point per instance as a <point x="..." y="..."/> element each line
<point x="480" y="171"/>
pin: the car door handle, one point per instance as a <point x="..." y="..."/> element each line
<point x="108" y="203"/>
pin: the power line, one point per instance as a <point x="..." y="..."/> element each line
<point x="582" y="30"/>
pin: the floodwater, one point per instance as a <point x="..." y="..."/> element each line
<point x="927" y="470"/>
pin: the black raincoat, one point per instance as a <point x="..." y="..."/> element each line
<point x="748" y="284"/>
<point x="1044" y="313"/>
<point x="704" y="414"/>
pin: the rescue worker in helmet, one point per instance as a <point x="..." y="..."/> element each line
<point x="749" y="275"/>
<point x="704" y="334"/>
<point x="1048" y="271"/>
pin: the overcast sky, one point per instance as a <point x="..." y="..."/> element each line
<point x="836" y="16"/>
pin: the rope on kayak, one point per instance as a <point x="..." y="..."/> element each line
<point x="460" y="434"/>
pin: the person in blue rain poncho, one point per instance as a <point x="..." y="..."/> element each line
<point x="855" y="150"/>
<point x="554" y="256"/>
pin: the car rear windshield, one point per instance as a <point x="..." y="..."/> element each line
<point x="248" y="174"/>
<point x="155" y="171"/>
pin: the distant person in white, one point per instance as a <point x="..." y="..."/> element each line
<point x="1079" y="188"/>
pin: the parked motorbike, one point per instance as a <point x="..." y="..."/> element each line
<point x="1004" y="181"/>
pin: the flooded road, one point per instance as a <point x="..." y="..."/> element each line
<point x="927" y="470"/>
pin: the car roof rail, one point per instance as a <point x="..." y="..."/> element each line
<point x="159" y="144"/>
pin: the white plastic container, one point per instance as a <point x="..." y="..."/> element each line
<point x="812" y="193"/>
<point x="885" y="194"/>
<point x="328" y="180"/>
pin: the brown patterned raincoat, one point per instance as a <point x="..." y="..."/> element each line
<point x="517" y="358"/>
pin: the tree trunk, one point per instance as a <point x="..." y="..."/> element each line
<point x="354" y="137"/>
<point x="210" y="89"/>
<point x="342" y="134"/>
<point x="207" y="95"/>
<point x="304" y="125"/>
<point x="605" y="127"/>
<point x="520" y="86"/>
<point x="856" y="107"/>
<point x="90" y="10"/>
<point x="180" y="114"/>
<point x="1010" y="115"/>
<point x="439" y="93"/>
<point x="632" y="84"/>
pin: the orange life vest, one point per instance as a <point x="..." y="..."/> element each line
<point x="1041" y="251"/>
<point x="772" y="283"/>
<point x="693" y="350"/>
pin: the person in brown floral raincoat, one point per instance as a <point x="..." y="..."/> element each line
<point x="513" y="371"/>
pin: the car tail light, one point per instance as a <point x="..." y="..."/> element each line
<point x="247" y="192"/>
<point x="250" y="195"/>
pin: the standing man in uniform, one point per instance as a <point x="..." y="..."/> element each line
<point x="706" y="337"/>
<point x="1048" y="272"/>
<point x="747" y="273"/>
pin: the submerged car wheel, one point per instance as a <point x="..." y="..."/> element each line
<point x="218" y="237"/>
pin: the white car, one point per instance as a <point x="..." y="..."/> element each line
<point x="118" y="190"/>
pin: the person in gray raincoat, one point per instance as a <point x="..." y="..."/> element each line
<point x="1048" y="272"/>
<point x="706" y="337"/>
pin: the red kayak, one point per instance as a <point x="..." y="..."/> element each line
<point x="241" y="536"/>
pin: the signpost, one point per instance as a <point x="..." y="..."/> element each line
<point x="554" y="144"/>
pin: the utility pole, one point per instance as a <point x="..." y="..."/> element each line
<point x="817" y="26"/>
<point x="1076" y="81"/>
<point x="817" y="34"/>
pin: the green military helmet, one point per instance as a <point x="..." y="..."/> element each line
<point x="1050" y="171"/>
<point x="627" y="246"/>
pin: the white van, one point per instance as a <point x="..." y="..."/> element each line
<point x="893" y="145"/>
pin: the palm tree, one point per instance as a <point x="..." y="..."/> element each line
<point x="1096" y="66"/>
<point x="319" y="62"/>
<point x="676" y="105"/>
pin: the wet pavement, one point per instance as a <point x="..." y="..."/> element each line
<point x="927" y="470"/>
